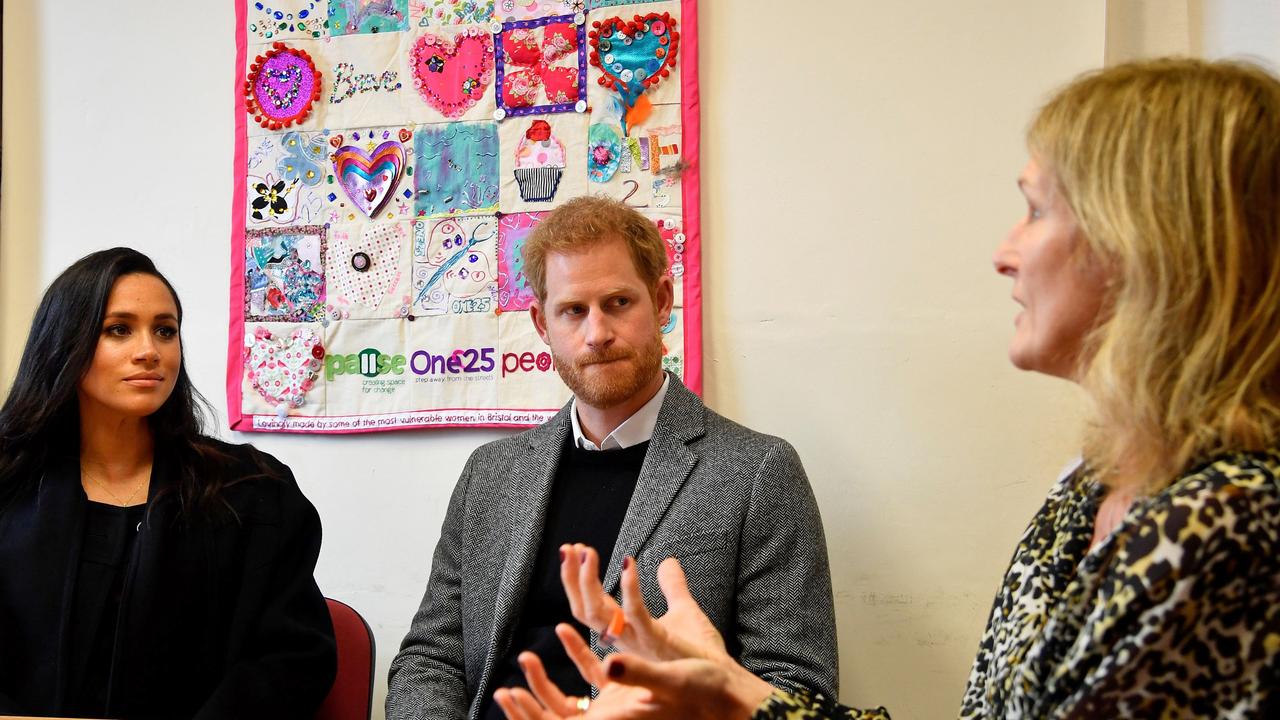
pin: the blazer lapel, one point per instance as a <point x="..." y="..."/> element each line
<point x="667" y="465"/>
<point x="526" y="492"/>
<point x="40" y="539"/>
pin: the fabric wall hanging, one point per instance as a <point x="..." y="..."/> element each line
<point x="392" y="156"/>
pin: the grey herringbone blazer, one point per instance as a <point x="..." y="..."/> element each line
<point x="733" y="504"/>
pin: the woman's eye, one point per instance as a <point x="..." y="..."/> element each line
<point x="167" y="332"/>
<point x="117" y="330"/>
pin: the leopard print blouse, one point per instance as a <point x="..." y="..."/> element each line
<point x="1175" y="614"/>
<point x="804" y="706"/>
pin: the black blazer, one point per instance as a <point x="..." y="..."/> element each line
<point x="218" y="619"/>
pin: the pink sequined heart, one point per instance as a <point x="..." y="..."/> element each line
<point x="452" y="76"/>
<point x="283" y="369"/>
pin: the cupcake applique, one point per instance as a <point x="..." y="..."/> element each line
<point x="539" y="163"/>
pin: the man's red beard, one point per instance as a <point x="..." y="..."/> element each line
<point x="628" y="373"/>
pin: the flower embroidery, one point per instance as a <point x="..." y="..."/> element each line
<point x="271" y="198"/>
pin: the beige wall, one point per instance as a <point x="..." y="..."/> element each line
<point x="859" y="166"/>
<point x="20" y="177"/>
<point x="854" y="309"/>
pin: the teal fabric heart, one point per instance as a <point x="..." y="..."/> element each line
<point x="634" y="55"/>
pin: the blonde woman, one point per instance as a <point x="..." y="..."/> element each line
<point x="1148" y="585"/>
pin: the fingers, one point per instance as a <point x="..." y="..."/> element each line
<point x="569" y="578"/>
<point x="543" y="689"/>
<point x="640" y="627"/>
<point x="580" y="653"/>
<point x="518" y="704"/>
<point x="580" y="575"/>
<point x="634" y="670"/>
<point x="599" y="606"/>
<point x="675" y="587"/>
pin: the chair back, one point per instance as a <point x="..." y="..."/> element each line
<point x="351" y="697"/>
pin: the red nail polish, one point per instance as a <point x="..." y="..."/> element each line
<point x="615" y="670"/>
<point x="626" y="562"/>
<point x="562" y="554"/>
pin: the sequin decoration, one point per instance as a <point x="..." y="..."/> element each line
<point x="284" y="273"/>
<point x="604" y="152"/>
<point x="369" y="179"/>
<point x="452" y="75"/>
<point x="282" y="86"/>
<point x="285" y="19"/>
<point x="349" y="17"/>
<point x="634" y="55"/>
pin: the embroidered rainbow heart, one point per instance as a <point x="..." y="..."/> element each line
<point x="452" y="76"/>
<point x="283" y="369"/>
<point x="634" y="55"/>
<point x="370" y="179"/>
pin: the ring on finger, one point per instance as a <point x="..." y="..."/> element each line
<point x="583" y="703"/>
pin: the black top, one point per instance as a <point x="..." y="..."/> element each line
<point x="589" y="499"/>
<point x="218" y="616"/>
<point x="109" y="532"/>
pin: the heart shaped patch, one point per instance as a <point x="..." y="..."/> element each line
<point x="380" y="245"/>
<point x="283" y="369"/>
<point x="282" y="85"/>
<point x="634" y="55"/>
<point x="370" y="179"/>
<point x="452" y="75"/>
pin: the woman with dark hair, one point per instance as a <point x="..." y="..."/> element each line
<point x="146" y="569"/>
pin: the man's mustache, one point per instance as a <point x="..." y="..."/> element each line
<point x="597" y="358"/>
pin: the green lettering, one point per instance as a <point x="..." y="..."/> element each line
<point x="332" y="366"/>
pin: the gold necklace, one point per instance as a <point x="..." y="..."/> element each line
<point x="122" y="503"/>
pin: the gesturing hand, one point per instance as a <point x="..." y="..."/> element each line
<point x="631" y="688"/>
<point x="547" y="702"/>
<point x="683" y="632"/>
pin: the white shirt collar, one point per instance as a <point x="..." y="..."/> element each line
<point x="634" y="430"/>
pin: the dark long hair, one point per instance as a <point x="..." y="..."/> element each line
<point x="42" y="413"/>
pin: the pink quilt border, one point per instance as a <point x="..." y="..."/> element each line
<point x="690" y="199"/>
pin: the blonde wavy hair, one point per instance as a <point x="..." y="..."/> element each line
<point x="1172" y="168"/>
